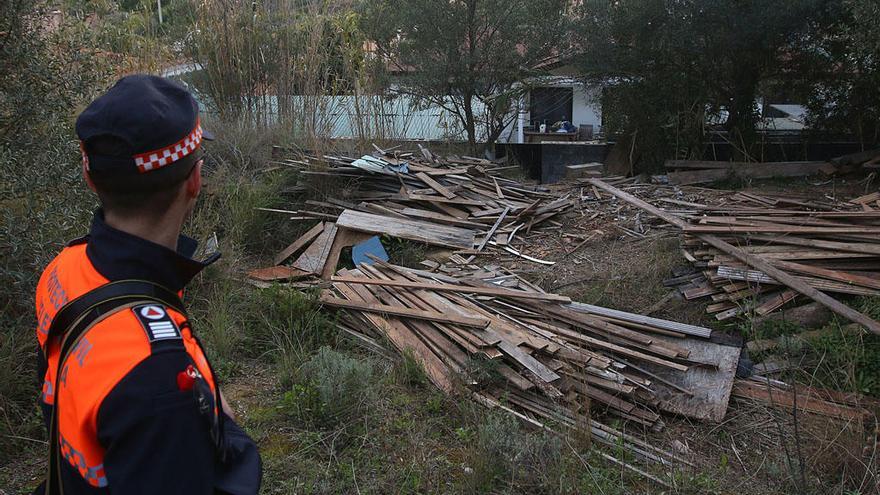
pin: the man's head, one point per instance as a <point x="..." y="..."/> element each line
<point x="141" y="148"/>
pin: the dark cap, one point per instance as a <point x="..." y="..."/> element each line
<point x="153" y="125"/>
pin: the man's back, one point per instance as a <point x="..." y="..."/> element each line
<point x="129" y="397"/>
<point x="124" y="421"/>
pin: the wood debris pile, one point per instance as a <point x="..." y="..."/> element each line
<point x="549" y="360"/>
<point x="456" y="203"/>
<point x="758" y="253"/>
<point x="546" y="351"/>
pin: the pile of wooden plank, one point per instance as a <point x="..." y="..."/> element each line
<point x="550" y="360"/>
<point x="456" y="203"/>
<point x="758" y="253"/>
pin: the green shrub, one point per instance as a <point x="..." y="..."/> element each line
<point x="503" y="452"/>
<point x="333" y="388"/>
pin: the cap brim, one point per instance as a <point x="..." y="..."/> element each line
<point x="207" y="135"/>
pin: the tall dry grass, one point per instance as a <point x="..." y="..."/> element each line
<point x="298" y="65"/>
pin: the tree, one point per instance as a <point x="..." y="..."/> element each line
<point x="845" y="96"/>
<point x="673" y="65"/>
<point x="469" y="57"/>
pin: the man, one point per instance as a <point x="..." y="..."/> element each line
<point x="129" y="397"/>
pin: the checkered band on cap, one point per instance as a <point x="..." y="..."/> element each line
<point x="153" y="160"/>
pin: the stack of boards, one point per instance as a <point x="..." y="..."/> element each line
<point x="549" y="360"/>
<point x="454" y="203"/>
<point x="757" y="253"/>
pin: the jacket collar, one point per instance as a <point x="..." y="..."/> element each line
<point x="118" y="255"/>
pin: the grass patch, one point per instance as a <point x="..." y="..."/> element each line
<point x="332" y="389"/>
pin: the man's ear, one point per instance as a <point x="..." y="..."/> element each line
<point x="87" y="178"/>
<point x="194" y="181"/>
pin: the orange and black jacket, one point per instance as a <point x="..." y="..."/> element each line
<point x="130" y="418"/>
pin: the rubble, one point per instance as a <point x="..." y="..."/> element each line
<point x="479" y="328"/>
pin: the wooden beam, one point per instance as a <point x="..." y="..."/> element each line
<point x="488" y="291"/>
<point x="433" y="184"/>
<point x="405" y="312"/>
<point x="298" y="244"/>
<point x="431" y="233"/>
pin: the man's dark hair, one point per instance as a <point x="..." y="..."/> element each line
<point x="148" y="193"/>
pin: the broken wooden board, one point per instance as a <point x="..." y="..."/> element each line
<point x="315" y="256"/>
<point x="277" y="273"/>
<point x="298" y="244"/>
<point x="414" y="230"/>
<point x="344" y="238"/>
<point x="710" y="386"/>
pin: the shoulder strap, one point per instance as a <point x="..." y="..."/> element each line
<point x="74" y="319"/>
<point x="96" y="301"/>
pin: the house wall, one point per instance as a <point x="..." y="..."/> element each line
<point x="584" y="106"/>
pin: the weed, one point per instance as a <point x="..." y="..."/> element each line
<point x="502" y="452"/>
<point x="333" y="388"/>
<point x="408" y="371"/>
<point x="404" y="252"/>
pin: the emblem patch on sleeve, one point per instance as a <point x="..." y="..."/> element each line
<point x="156" y="322"/>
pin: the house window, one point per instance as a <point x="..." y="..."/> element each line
<point x="550" y="105"/>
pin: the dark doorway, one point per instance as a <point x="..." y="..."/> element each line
<point x="550" y="105"/>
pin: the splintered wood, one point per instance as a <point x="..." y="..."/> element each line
<point x="550" y="360"/>
<point x="453" y="202"/>
<point x="757" y="253"/>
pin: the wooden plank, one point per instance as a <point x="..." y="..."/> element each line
<point x="748" y="389"/>
<point x="403" y="338"/>
<point x="488" y="291"/>
<point x="780" y="229"/>
<point x="753" y="261"/>
<point x="456" y="201"/>
<point x="315" y="257"/>
<point x="431" y="233"/>
<point x="839" y="276"/>
<point x="867" y="198"/>
<point x="776" y="302"/>
<point x="439" y="217"/>
<point x="344" y="238"/>
<point x="850" y="247"/>
<point x="277" y="273"/>
<point x="405" y="312"/>
<point x="433" y="184"/>
<point x="644" y="320"/>
<point x="298" y="244"/>
<point x="526" y="360"/>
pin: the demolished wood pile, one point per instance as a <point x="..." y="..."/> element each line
<point x="550" y="360"/>
<point x="756" y="253"/>
<point x="456" y="203"/>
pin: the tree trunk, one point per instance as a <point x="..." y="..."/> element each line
<point x="469" y="124"/>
